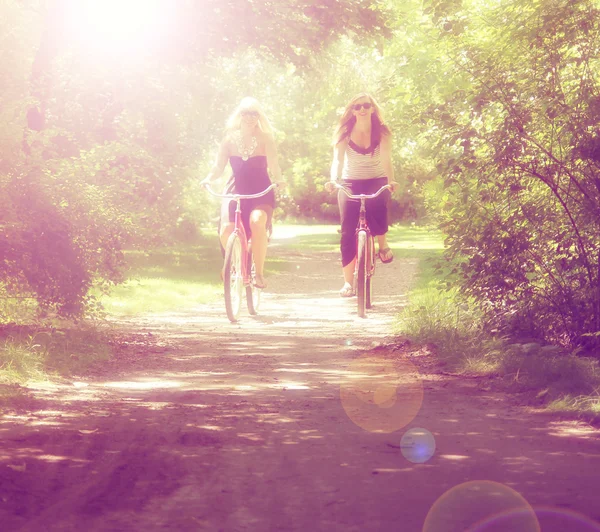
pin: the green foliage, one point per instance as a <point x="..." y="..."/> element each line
<point x="99" y="149"/>
<point x="457" y="329"/>
<point x="516" y="140"/>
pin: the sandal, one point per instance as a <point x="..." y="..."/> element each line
<point x="259" y="282"/>
<point x="385" y="255"/>
<point x="347" y="290"/>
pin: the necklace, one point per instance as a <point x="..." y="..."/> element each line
<point x="245" y="151"/>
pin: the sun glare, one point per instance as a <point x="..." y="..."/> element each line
<point x="118" y="27"/>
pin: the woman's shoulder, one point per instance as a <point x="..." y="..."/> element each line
<point x="386" y="138"/>
<point x="342" y="143"/>
<point x="227" y="139"/>
<point x="386" y="133"/>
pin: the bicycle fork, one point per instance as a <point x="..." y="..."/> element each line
<point x="370" y="241"/>
<point x="245" y="272"/>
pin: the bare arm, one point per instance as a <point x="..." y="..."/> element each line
<point x="386" y="157"/>
<point x="272" y="159"/>
<point x="220" y="163"/>
<point x="338" y="160"/>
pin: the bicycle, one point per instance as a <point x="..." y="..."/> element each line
<point x="239" y="269"/>
<point x="365" y="251"/>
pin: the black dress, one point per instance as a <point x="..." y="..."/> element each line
<point x="250" y="176"/>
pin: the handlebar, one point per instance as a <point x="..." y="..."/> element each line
<point x="362" y="196"/>
<point x="240" y="196"/>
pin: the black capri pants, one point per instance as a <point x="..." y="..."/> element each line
<point x="377" y="213"/>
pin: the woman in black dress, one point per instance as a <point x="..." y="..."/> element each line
<point x="249" y="148"/>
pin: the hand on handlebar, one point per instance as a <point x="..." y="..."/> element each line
<point x="330" y="186"/>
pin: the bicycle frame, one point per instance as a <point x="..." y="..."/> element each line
<point x="363" y="226"/>
<point x="362" y="223"/>
<point x="238" y="226"/>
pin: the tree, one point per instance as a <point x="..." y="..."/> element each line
<point x="520" y="203"/>
<point x="100" y="144"/>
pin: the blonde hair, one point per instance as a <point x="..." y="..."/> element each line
<point x="347" y="121"/>
<point x="248" y="104"/>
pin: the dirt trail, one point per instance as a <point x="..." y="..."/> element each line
<point x="240" y="427"/>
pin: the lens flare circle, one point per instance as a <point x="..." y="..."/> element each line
<point x="381" y="395"/>
<point x="417" y="445"/>
<point x="563" y="519"/>
<point x="481" y="506"/>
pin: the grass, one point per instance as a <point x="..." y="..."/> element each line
<point x="544" y="374"/>
<point x="167" y="279"/>
<point x="170" y="279"/>
<point x="586" y="405"/>
<point x="159" y="280"/>
<point x="21" y="360"/>
<point x="163" y="280"/>
<point x="307" y="237"/>
<point x="32" y="353"/>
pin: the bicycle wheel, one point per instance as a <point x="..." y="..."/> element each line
<point x="233" y="281"/>
<point x="252" y="293"/>
<point x="369" y="268"/>
<point x="361" y="272"/>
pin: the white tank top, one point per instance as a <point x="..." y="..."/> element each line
<point x="360" y="163"/>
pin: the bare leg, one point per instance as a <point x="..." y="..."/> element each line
<point x="258" y="226"/>
<point x="226" y="230"/>
<point x="382" y="240"/>
<point x="349" y="272"/>
<point x="388" y="255"/>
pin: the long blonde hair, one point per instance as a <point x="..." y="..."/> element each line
<point x="347" y="121"/>
<point x="248" y="104"/>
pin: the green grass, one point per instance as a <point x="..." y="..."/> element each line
<point x="30" y="353"/>
<point x="441" y="316"/>
<point x="167" y="279"/>
<point x="160" y="280"/>
<point x="407" y="241"/>
<point x="21" y="360"/>
<point x="589" y="406"/>
<point x="307" y="237"/>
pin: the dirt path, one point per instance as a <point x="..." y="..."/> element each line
<point x="257" y="426"/>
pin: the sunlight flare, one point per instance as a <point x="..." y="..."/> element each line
<point x="117" y="27"/>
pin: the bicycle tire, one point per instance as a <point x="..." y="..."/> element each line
<point x="233" y="282"/>
<point x="361" y="272"/>
<point x="369" y="268"/>
<point x="252" y="293"/>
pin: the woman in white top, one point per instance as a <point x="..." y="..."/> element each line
<point x="362" y="158"/>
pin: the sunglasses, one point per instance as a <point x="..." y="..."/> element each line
<point x="359" y="106"/>
<point x="253" y="114"/>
